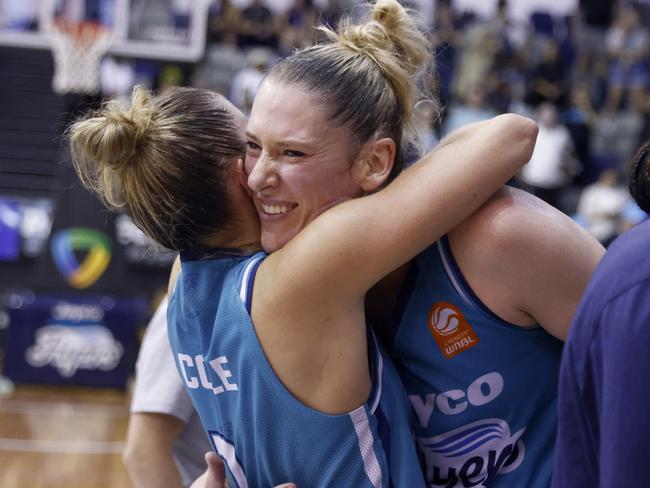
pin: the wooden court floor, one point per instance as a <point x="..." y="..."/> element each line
<point x="63" y="437"/>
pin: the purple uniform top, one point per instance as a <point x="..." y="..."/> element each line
<point x="604" y="403"/>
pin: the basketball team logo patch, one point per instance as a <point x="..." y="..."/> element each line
<point x="450" y="329"/>
<point x="98" y="255"/>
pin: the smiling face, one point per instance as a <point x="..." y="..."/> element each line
<point x="298" y="163"/>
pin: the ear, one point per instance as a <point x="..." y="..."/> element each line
<point x="242" y="177"/>
<point x="372" y="168"/>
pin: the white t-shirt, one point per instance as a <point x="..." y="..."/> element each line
<point x="158" y="389"/>
<point x="602" y="206"/>
<point x="549" y="166"/>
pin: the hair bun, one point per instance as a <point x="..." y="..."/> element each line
<point x="387" y="13"/>
<point x="394" y="40"/>
<point x="391" y="32"/>
<point x="112" y="137"/>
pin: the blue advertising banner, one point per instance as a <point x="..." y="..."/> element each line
<point x="59" y="339"/>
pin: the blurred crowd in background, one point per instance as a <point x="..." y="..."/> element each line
<point x="584" y="75"/>
<point x="585" y="78"/>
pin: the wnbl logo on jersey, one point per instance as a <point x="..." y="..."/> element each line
<point x="472" y="455"/>
<point x="452" y="332"/>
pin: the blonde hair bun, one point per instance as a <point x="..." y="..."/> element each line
<point x="392" y="33"/>
<point x="107" y="143"/>
<point x="112" y="136"/>
<point x="396" y="43"/>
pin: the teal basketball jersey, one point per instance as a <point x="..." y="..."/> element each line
<point x="484" y="391"/>
<point x="263" y="433"/>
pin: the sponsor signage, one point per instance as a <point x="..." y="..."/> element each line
<point x="71" y="340"/>
<point x="95" y="244"/>
<point x="472" y="455"/>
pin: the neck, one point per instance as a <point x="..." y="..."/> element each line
<point x="243" y="234"/>
<point x="242" y="243"/>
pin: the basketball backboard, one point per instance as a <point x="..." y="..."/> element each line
<point x="172" y="30"/>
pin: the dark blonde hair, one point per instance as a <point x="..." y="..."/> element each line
<point x="368" y="76"/>
<point x="163" y="161"/>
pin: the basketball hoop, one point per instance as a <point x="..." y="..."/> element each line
<point x="77" y="48"/>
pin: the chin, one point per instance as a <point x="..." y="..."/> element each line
<point x="271" y="244"/>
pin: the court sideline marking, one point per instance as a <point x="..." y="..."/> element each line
<point x="62" y="447"/>
<point x="62" y="409"/>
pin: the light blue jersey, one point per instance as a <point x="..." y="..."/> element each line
<point x="264" y="434"/>
<point x="484" y="391"/>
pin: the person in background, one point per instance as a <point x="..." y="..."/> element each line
<point x="257" y="26"/>
<point x="603" y="435"/>
<point x="245" y="82"/>
<point x="473" y="109"/>
<point x="548" y="79"/>
<point x="627" y="44"/>
<point x="601" y="206"/>
<point x="552" y="166"/>
<point x="297" y="27"/>
<point x="165" y="442"/>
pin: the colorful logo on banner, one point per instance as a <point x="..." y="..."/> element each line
<point x="98" y="247"/>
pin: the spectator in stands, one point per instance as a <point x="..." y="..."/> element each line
<point x="616" y="133"/>
<point x="222" y="61"/>
<point x="223" y="21"/>
<point x="594" y="18"/>
<point x="476" y="58"/>
<point x="627" y="44"/>
<point x="629" y="121"/>
<point x="258" y="26"/>
<point x="548" y="78"/>
<point x="297" y="26"/>
<point x="474" y="109"/>
<point x="445" y="40"/>
<point x="511" y="34"/>
<point x="579" y="118"/>
<point x="552" y="166"/>
<point x="641" y="97"/>
<point x="245" y="82"/>
<point x="601" y="205"/>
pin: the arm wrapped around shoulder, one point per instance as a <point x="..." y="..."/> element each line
<point x="510" y="138"/>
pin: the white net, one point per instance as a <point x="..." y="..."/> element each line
<point x="77" y="51"/>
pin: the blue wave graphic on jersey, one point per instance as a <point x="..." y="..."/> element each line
<point x="467" y="440"/>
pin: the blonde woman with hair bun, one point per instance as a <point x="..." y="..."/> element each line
<point x="475" y="321"/>
<point x="273" y="349"/>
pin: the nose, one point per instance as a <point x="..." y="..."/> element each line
<point x="263" y="175"/>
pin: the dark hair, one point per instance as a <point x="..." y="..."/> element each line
<point x="640" y="177"/>
<point x="368" y="77"/>
<point x="163" y="161"/>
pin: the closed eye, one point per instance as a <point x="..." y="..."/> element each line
<point x="294" y="154"/>
<point x="252" y="148"/>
